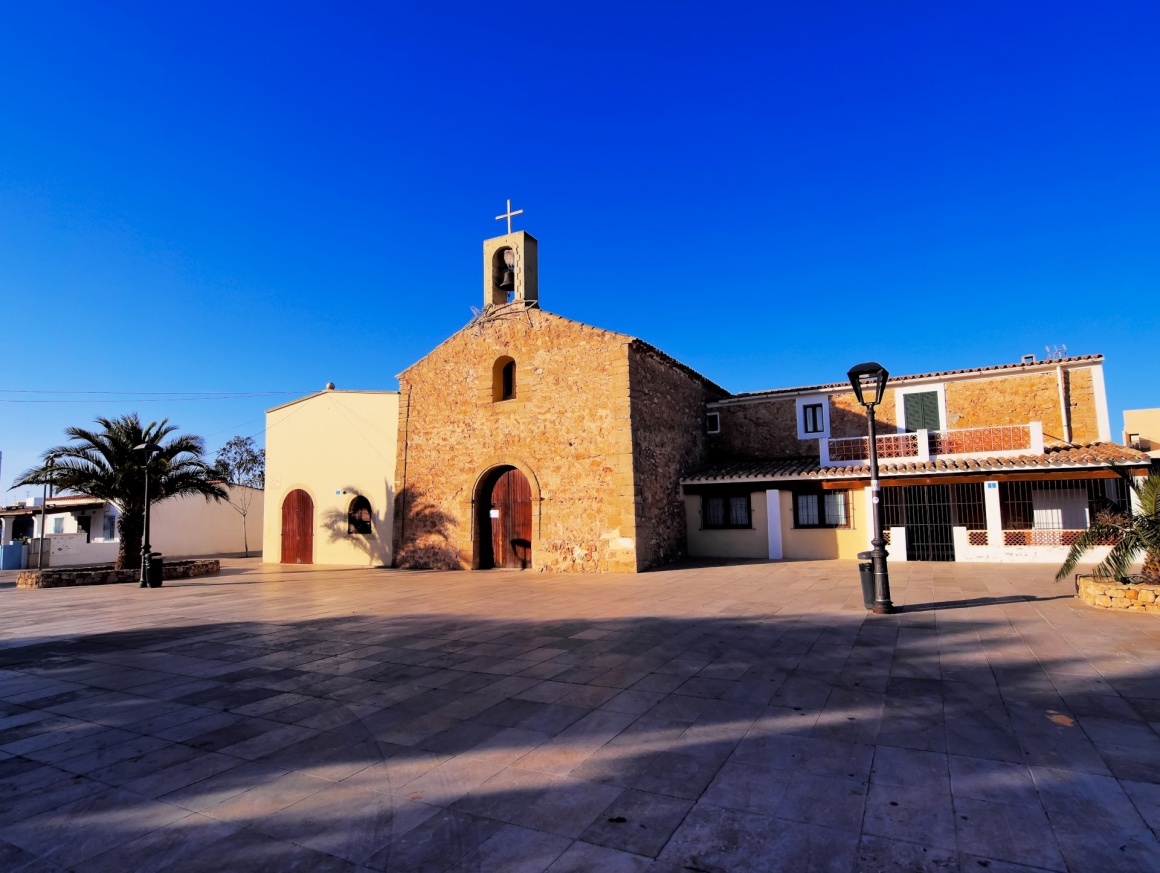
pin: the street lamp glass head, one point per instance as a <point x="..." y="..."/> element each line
<point x="869" y="382"/>
<point x="150" y="449"/>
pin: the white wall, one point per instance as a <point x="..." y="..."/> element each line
<point x="192" y="526"/>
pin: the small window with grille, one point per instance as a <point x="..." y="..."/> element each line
<point x="726" y="511"/>
<point x="822" y="509"/>
<point x="358" y="516"/>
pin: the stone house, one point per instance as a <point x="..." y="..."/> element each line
<point x="1001" y="463"/>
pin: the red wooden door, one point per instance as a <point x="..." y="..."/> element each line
<point x="298" y="528"/>
<point x="511" y="521"/>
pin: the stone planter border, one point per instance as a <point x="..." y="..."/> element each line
<point x="1135" y="596"/>
<point x="71" y="577"/>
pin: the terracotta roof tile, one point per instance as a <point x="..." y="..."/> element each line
<point x="1055" y="458"/>
<point x="1075" y="359"/>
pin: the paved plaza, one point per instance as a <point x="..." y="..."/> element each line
<point x="723" y="718"/>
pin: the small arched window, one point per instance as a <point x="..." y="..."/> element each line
<point x="358" y="516"/>
<point x="503" y="377"/>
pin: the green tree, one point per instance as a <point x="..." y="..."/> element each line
<point x="239" y="462"/>
<point x="1132" y="535"/>
<point x="102" y="464"/>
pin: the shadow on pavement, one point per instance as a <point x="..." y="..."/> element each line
<point x="436" y="742"/>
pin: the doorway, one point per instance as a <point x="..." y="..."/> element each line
<point x="297" y="528"/>
<point x="925" y="512"/>
<point x="505" y="520"/>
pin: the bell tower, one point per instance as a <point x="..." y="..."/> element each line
<point x="510" y="273"/>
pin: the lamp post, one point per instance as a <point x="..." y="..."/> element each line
<point x="869" y="383"/>
<point x="149" y="450"/>
<point x="49" y="462"/>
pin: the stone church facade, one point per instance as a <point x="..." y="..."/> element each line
<point x="600" y="425"/>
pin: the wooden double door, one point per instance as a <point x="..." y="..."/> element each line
<point x="505" y="521"/>
<point x="297" y="528"/>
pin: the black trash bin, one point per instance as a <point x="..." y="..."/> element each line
<point x="866" y="572"/>
<point x="156" y="571"/>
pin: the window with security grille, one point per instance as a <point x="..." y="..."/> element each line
<point x="824" y="509"/>
<point x="726" y="511"/>
<point x="358" y="516"/>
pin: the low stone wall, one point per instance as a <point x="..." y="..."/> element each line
<point x="1108" y="594"/>
<point x="69" y="577"/>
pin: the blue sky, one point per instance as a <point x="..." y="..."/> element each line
<point x="263" y="197"/>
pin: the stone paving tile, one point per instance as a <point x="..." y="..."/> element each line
<point x="569" y="808"/>
<point x="1095" y="822"/>
<point x="124" y="816"/>
<point x="882" y="854"/>
<point x="711" y="838"/>
<point x="637" y="822"/>
<point x="514" y="849"/>
<point x="435" y="844"/>
<point x="584" y="857"/>
<point x="752" y="717"/>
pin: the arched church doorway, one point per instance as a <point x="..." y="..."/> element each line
<point x="505" y="520"/>
<point x="297" y="528"/>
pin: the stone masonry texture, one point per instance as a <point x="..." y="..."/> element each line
<point x="568" y="429"/>
<point x="668" y="442"/>
<point x="1018" y="399"/>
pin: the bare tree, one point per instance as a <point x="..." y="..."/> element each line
<point x="238" y="462"/>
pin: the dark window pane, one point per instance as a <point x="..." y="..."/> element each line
<point x="807" y="505"/>
<point x="739" y="511"/>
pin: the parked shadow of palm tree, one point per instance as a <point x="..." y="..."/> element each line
<point x="424" y="533"/>
<point x="416" y="742"/>
<point x="370" y="533"/>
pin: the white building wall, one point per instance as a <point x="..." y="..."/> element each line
<point x="192" y="526"/>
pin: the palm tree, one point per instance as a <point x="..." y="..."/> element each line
<point x="103" y="464"/>
<point x="1131" y="534"/>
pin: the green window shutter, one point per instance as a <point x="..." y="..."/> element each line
<point x="930" y="410"/>
<point x="921" y="411"/>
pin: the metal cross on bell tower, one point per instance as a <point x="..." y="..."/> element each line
<point x="508" y="215"/>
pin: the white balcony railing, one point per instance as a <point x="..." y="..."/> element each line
<point x="924" y="445"/>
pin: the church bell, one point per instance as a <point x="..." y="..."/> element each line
<point x="509" y="280"/>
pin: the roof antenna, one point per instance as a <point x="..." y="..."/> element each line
<point x="1056" y="353"/>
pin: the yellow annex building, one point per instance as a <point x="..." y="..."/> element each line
<point x="330" y="467"/>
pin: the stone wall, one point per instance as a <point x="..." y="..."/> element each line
<point x="1024" y="397"/>
<point x="1081" y="394"/>
<point x="73" y="577"/>
<point x="1134" y="597"/>
<point x="768" y="428"/>
<point x="848" y="416"/>
<point x="668" y="440"/>
<point x="567" y="429"/>
<point x="761" y="429"/>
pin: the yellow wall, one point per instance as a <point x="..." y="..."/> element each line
<point x="825" y="543"/>
<point x="334" y="445"/>
<point x="1146" y="423"/>
<point x="753" y="543"/>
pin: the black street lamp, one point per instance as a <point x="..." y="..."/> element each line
<point x="149" y="450"/>
<point x="869" y="383"/>
<point x="49" y="462"/>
